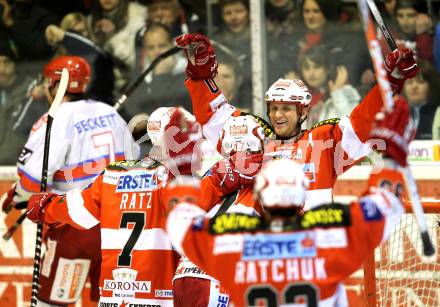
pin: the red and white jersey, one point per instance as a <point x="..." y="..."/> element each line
<point x="240" y="202"/>
<point x="326" y="151"/>
<point x="320" y="249"/>
<point x="138" y="262"/>
<point x="86" y="136"/>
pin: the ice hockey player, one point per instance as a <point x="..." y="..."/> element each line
<point x="325" y="151"/>
<point x="241" y="135"/>
<point x="86" y="136"/>
<point x="138" y="261"/>
<point x="282" y="257"/>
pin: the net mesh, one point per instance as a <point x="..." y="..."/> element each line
<point x="404" y="277"/>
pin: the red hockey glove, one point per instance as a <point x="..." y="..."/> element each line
<point x="397" y="129"/>
<point x="182" y="140"/>
<point x="8" y="203"/>
<point x="36" y="206"/>
<point x="7" y="200"/>
<point x="202" y="63"/>
<point x="400" y="65"/>
<point x="231" y="174"/>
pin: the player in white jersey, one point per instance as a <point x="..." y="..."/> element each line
<point x="86" y="136"/>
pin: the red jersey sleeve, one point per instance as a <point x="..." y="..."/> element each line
<point x="210" y="194"/>
<point x="210" y="107"/>
<point x="81" y="209"/>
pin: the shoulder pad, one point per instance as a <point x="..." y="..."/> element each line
<point x="268" y="130"/>
<point x="325" y="216"/>
<point x="331" y="121"/>
<point x="122" y="165"/>
<point x="234" y="222"/>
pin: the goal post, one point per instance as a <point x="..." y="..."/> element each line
<point x="397" y="273"/>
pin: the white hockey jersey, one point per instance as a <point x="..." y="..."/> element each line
<point x="86" y="136"/>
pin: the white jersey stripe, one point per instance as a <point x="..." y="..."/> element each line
<point x="149" y="239"/>
<point x="317" y="197"/>
<point x="350" y="142"/>
<point x="212" y="129"/>
<point x="77" y="211"/>
<point x="181" y="218"/>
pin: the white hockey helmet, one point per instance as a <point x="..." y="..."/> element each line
<point x="290" y="92"/>
<point x="159" y="119"/>
<point x="240" y="134"/>
<point x="281" y="184"/>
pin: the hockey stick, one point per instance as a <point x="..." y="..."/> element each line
<point x="116" y="106"/>
<point x="43" y="185"/>
<point x="132" y="87"/>
<point x="428" y="248"/>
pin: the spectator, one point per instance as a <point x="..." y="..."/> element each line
<point x="162" y="87"/>
<point x="281" y="17"/>
<point x="169" y="13"/>
<point x="422" y="94"/>
<point x="114" y="24"/>
<point x="331" y="95"/>
<point x="229" y="79"/>
<point x="234" y="36"/>
<point x="321" y="27"/>
<point x="24" y="22"/>
<point x="414" y="29"/>
<point x="18" y="110"/>
<point x="235" y="33"/>
<point x="72" y="37"/>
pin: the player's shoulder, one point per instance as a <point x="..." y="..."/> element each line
<point x="326" y="216"/>
<point x="127" y="165"/>
<point x="234" y="223"/>
<point x="328" y="123"/>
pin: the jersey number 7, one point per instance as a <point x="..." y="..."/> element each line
<point x="138" y="219"/>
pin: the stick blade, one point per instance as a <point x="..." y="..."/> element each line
<point x="62" y="87"/>
<point x="428" y="248"/>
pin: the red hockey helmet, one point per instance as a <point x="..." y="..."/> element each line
<point x="79" y="72"/>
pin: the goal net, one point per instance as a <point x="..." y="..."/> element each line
<point x="402" y="275"/>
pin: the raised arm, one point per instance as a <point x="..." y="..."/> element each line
<point x="210" y="106"/>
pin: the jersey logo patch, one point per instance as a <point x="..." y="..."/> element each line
<point x="331" y="121"/>
<point x="268" y="130"/>
<point x="137" y="181"/>
<point x="25" y="154"/>
<point x="370" y="211"/>
<point x="124" y="283"/>
<point x="233" y="222"/>
<point x="326" y="216"/>
<point x="279" y="246"/>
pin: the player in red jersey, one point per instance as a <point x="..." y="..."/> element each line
<point x="326" y="150"/>
<point x="282" y="257"/>
<point x="126" y="200"/>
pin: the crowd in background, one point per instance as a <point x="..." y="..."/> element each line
<point x="319" y="41"/>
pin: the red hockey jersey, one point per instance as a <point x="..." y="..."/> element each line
<point x="310" y="259"/>
<point x="138" y="262"/>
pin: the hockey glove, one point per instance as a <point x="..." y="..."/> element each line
<point x="231" y="174"/>
<point x="202" y="63"/>
<point x="397" y="129"/>
<point x="400" y="65"/>
<point x="8" y="203"/>
<point x="182" y="139"/>
<point x="36" y="206"/>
